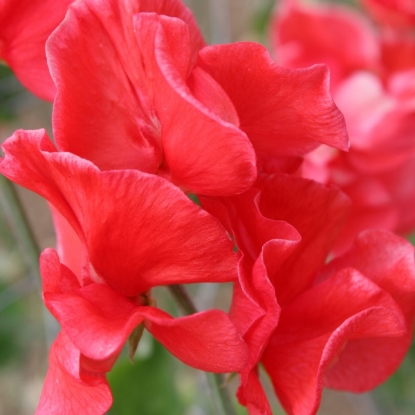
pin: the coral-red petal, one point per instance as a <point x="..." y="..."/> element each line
<point x="283" y="111"/>
<point x="65" y="392"/>
<point x="139" y="229"/>
<point x="314" y="332"/>
<point x="25" y="26"/>
<point x="204" y="153"/>
<point x="331" y="34"/>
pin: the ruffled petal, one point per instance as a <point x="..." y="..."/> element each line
<point x="334" y="35"/>
<point x="284" y="112"/>
<point x="265" y="244"/>
<point x="207" y="340"/>
<point x="388" y="260"/>
<point x="94" y="58"/>
<point x="99" y="321"/>
<point x="90" y="64"/>
<point x="318" y="216"/>
<point x="25" y="26"/>
<point x="140" y="230"/>
<point x="204" y="153"/>
<point x="147" y="114"/>
<point x="314" y="334"/>
<point x="66" y="391"/>
<point x="374" y="116"/>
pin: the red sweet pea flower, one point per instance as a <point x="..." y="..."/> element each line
<point x="96" y="321"/>
<point x="264" y="245"/>
<point x="137" y="231"/>
<point x="67" y="381"/>
<point x="283" y="112"/>
<point x="147" y="118"/>
<point x="377" y="173"/>
<point x="25" y="26"/>
<point x="168" y="106"/>
<point x="260" y="221"/>
<point x="395" y="13"/>
<point x="380" y="121"/>
<point x="326" y="335"/>
<point x="329" y="316"/>
<point x="305" y="35"/>
<point x="379" y="108"/>
<point x="174" y="245"/>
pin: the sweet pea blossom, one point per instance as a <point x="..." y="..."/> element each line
<point x="25" y="26"/>
<point x="373" y="85"/>
<point x="327" y="335"/>
<point x="202" y="117"/>
<point x="147" y="117"/>
<point x="144" y="113"/>
<point x="303" y="35"/>
<point x="395" y="13"/>
<point x="138" y="231"/>
<point x="96" y="322"/>
<point x="309" y="323"/>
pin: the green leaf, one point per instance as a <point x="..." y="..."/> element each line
<point x="148" y="386"/>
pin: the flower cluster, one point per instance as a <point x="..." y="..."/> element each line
<point x="146" y="114"/>
<point x="372" y="65"/>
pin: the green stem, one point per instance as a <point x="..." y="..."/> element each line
<point x="182" y="299"/>
<point x="28" y="246"/>
<point x="21" y="227"/>
<point x="222" y="397"/>
<point x="216" y="381"/>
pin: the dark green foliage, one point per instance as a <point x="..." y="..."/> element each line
<point x="10" y="90"/>
<point x="10" y="321"/>
<point x="147" y="387"/>
<point x="396" y="396"/>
